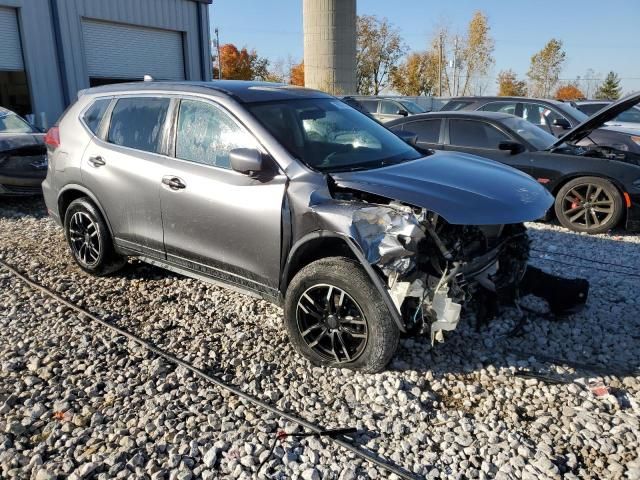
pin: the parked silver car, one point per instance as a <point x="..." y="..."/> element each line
<point x="291" y="195"/>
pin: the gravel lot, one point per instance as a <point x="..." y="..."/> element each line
<point x="78" y="401"/>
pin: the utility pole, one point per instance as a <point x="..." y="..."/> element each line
<point x="440" y="66"/>
<point x="455" y="67"/>
<point x="219" y="59"/>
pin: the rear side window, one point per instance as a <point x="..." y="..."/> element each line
<point x="455" y="105"/>
<point x="137" y="123"/>
<point x="370" y="106"/>
<point x="427" y="130"/>
<point x="93" y="116"/>
<point x="502" y="107"/>
<point x="389" y="108"/>
<point x="591" y="108"/>
<point x="206" y="134"/>
<point x="471" y="133"/>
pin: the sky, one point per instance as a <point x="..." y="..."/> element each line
<point x="596" y="34"/>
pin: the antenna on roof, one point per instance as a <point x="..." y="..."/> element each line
<point x="148" y="78"/>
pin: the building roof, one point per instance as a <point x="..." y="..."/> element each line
<point x="243" y="91"/>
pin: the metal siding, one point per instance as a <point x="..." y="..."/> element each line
<point x="126" y="51"/>
<point x="10" y="49"/>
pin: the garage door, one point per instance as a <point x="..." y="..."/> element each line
<point x="130" y="52"/>
<point x="10" y="49"/>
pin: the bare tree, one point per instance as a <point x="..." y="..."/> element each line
<point x="380" y="47"/>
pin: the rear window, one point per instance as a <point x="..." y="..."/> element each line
<point x="12" y="123"/>
<point x="94" y="114"/>
<point x="427" y="130"/>
<point x="137" y="123"/>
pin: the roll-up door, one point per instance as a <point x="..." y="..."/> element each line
<point x="129" y="52"/>
<point x="10" y="49"/>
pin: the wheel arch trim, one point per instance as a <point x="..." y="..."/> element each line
<point x="91" y="197"/>
<point x="358" y="254"/>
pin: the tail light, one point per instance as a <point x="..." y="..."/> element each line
<point x="52" y="138"/>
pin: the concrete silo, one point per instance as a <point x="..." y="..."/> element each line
<point x="330" y="45"/>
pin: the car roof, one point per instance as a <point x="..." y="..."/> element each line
<point x="517" y="99"/>
<point x="243" y="91"/>
<point x="587" y="102"/>
<point x="456" y="114"/>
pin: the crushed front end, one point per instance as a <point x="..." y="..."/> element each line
<point x="435" y="270"/>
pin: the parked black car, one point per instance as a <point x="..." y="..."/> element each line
<point x="552" y="116"/>
<point x="627" y="119"/>
<point x="595" y="187"/>
<point x="23" y="160"/>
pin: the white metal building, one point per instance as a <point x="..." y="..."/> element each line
<point x="50" y="49"/>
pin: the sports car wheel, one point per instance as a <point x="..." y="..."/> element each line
<point x="589" y="205"/>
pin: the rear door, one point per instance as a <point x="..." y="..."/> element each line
<point x="482" y="138"/>
<point x="216" y="220"/>
<point x="123" y="168"/>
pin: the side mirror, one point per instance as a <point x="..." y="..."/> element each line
<point x="409" y="137"/>
<point x="246" y="160"/>
<point x="562" y="122"/>
<point x="511" y="146"/>
<point x="403" y="112"/>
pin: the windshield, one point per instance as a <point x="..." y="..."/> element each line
<point x="537" y="137"/>
<point x="412" y="107"/>
<point x="330" y="136"/>
<point x="12" y="123"/>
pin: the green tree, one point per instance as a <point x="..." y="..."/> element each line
<point x="380" y="47"/>
<point x="477" y="53"/>
<point x="510" y="86"/>
<point x="610" y="88"/>
<point x="545" y="69"/>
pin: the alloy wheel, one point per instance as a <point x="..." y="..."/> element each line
<point x="587" y="206"/>
<point x="331" y="323"/>
<point x="85" y="239"/>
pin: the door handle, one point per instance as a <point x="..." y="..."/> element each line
<point x="174" y="183"/>
<point x="96" y="161"/>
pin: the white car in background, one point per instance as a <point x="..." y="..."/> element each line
<point x="627" y="120"/>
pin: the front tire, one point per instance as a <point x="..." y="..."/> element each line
<point x="334" y="316"/>
<point x="89" y="239"/>
<point x="589" y="205"/>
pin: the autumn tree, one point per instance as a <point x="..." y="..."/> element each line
<point x="610" y="88"/>
<point x="569" y="92"/>
<point x="241" y="64"/>
<point x="296" y="75"/>
<point x="545" y="69"/>
<point x="380" y="47"/>
<point x="470" y="56"/>
<point x="417" y="75"/>
<point x="510" y="86"/>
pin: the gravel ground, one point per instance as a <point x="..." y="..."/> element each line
<point x="78" y="401"/>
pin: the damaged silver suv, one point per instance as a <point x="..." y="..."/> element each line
<point x="294" y="196"/>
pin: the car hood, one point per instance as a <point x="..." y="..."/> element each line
<point x="17" y="141"/>
<point x="463" y="189"/>
<point x="598" y="120"/>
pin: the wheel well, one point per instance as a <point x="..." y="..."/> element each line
<point x="65" y="200"/>
<point x="313" y="250"/>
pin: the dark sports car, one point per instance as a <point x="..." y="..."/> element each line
<point x="23" y="156"/>
<point x="595" y="187"/>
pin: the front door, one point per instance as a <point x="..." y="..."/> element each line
<point x="124" y="170"/>
<point x="217" y="221"/>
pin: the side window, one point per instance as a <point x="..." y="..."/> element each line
<point x="540" y="115"/>
<point x="370" y="106"/>
<point x="503" y="107"/>
<point x="137" y="123"/>
<point x="206" y="134"/>
<point x="93" y="115"/>
<point x="471" y="133"/>
<point x="591" y="108"/>
<point x="389" y="108"/>
<point x="427" y="130"/>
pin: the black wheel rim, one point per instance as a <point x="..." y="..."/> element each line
<point x="85" y="239"/>
<point x="331" y="323"/>
<point x="587" y="206"/>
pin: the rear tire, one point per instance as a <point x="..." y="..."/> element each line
<point x="589" y="205"/>
<point x="89" y="239"/>
<point x="351" y="330"/>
